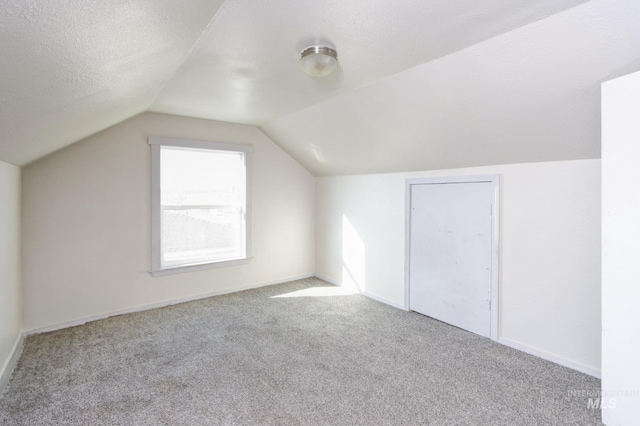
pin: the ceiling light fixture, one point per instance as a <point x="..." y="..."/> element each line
<point x="319" y="61"/>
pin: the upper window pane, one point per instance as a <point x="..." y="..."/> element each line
<point x="193" y="177"/>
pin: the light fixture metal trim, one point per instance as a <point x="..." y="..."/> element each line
<point x="319" y="61"/>
<point x="322" y="50"/>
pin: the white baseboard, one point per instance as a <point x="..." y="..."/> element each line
<point x="327" y="279"/>
<point x="10" y="365"/>
<point x="283" y="280"/>
<point x="150" y="306"/>
<point x="365" y="293"/>
<point x="551" y="357"/>
<point x="383" y="300"/>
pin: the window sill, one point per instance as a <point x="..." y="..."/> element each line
<point x="200" y="267"/>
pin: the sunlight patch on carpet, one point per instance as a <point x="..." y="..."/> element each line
<point x="319" y="292"/>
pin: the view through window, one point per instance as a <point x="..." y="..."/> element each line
<point x="202" y="215"/>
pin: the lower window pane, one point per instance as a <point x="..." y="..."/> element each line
<point x="193" y="236"/>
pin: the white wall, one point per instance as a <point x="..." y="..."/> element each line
<point x="621" y="250"/>
<point x="86" y="220"/>
<point x="550" y="249"/>
<point x="10" y="297"/>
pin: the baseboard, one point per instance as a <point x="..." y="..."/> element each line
<point x="5" y="374"/>
<point x="365" y="293"/>
<point x="327" y="279"/>
<point x="285" y="280"/>
<point x="383" y="300"/>
<point x="551" y="357"/>
<point x="150" y="306"/>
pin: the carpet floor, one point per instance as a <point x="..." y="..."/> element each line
<point x="303" y="352"/>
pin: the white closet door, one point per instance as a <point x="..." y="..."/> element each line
<point x="451" y="253"/>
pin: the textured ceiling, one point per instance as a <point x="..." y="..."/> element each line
<point x="72" y="68"/>
<point x="245" y="66"/>
<point x="532" y="94"/>
<point x="421" y="84"/>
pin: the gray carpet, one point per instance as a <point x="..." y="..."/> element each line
<point x="250" y="358"/>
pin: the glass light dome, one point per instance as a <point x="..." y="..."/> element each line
<point x="319" y="61"/>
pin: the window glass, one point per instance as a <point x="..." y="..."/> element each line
<point x="201" y="206"/>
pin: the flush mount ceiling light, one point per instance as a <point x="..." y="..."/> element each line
<point x="319" y="61"/>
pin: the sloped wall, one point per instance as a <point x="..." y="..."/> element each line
<point x="549" y="260"/>
<point x="528" y="95"/>
<point x="87" y="212"/>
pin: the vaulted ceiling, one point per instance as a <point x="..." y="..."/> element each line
<point x="420" y="84"/>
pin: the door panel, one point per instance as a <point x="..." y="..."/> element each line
<point x="451" y="253"/>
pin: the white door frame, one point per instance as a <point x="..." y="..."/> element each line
<point x="495" y="237"/>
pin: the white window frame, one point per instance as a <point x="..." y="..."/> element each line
<point x="156" y="209"/>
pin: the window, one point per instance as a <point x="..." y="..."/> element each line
<point x="201" y="205"/>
